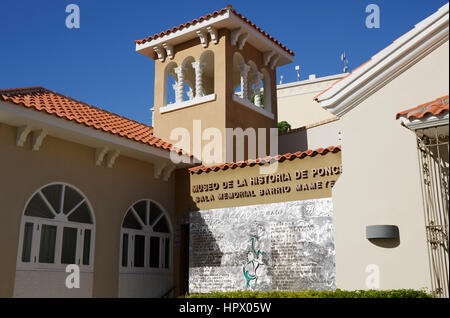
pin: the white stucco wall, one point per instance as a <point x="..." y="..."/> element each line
<point x="323" y="136"/>
<point x="381" y="181"/>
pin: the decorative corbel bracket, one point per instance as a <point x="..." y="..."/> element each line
<point x="214" y="34"/>
<point x="203" y="37"/>
<point x="169" y="50"/>
<point x="111" y="157"/>
<point x="235" y="36"/>
<point x="267" y="56"/>
<point x="22" y="134"/>
<point x="241" y="42"/>
<point x="100" y="155"/>
<point x="274" y="61"/>
<point x="168" y="172"/>
<point x="160" y="52"/>
<point x="38" y="138"/>
<point x="158" y="168"/>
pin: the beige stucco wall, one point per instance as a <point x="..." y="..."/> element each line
<point x="222" y="112"/>
<point x="296" y="104"/>
<point x="381" y="181"/>
<point x="110" y="192"/>
<point x="238" y="115"/>
<point x="208" y="113"/>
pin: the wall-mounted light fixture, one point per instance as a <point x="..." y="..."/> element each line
<point x="382" y="232"/>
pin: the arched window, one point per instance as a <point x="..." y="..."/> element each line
<point x="170" y="81"/>
<point x="238" y="61"/>
<point x="57" y="229"/>
<point x="266" y="91"/>
<point x="188" y="78"/>
<point x="145" y="238"/>
<point x="207" y="72"/>
<point x="252" y="82"/>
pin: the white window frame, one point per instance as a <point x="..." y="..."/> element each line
<point x="60" y="224"/>
<point x="147" y="232"/>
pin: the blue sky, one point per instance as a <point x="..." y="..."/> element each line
<point x="97" y="63"/>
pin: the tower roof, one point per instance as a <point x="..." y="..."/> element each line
<point x="227" y="18"/>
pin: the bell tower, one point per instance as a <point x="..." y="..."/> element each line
<point x="218" y="72"/>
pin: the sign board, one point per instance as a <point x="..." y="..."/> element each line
<point x="310" y="177"/>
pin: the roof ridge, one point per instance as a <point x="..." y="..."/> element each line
<point x="21" y="89"/>
<point x="270" y="37"/>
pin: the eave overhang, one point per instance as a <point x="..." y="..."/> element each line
<point x="227" y="19"/>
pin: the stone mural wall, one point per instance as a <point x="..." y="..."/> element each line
<point x="278" y="246"/>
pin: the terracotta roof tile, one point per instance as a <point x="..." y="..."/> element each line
<point x="435" y="107"/>
<point x="213" y="15"/>
<point x="42" y="99"/>
<point x="261" y="161"/>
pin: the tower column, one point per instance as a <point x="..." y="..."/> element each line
<point x="244" y="68"/>
<point x="198" y="67"/>
<point x="257" y="78"/>
<point x="179" y="87"/>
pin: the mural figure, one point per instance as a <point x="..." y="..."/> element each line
<point x="254" y="259"/>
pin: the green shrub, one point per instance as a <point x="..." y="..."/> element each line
<point x="399" y="293"/>
<point x="283" y="126"/>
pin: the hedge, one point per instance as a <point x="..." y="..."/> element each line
<point x="399" y="293"/>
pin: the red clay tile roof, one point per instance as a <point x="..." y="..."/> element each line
<point x="42" y="99"/>
<point x="261" y="161"/>
<point x="213" y="15"/>
<point x="435" y="107"/>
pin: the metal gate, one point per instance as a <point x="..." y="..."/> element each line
<point x="433" y="149"/>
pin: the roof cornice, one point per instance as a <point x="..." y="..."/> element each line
<point x="386" y="65"/>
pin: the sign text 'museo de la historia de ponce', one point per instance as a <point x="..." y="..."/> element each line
<point x="282" y="183"/>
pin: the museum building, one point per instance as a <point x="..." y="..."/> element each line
<point x="80" y="185"/>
